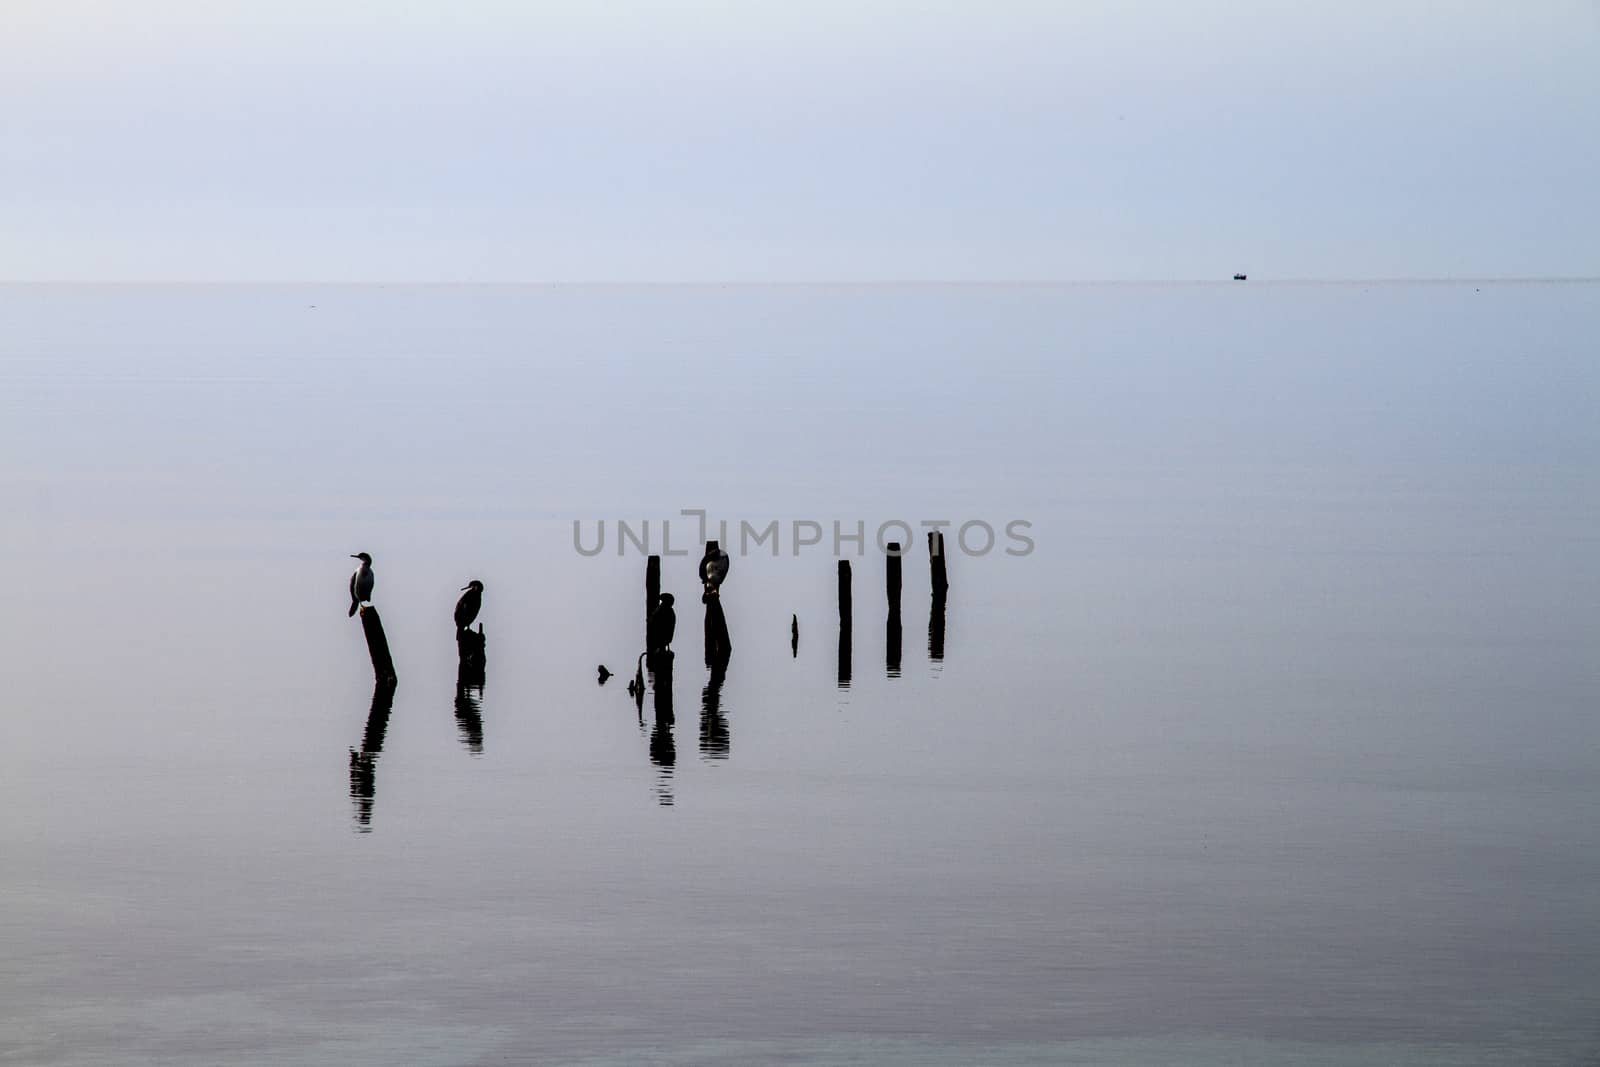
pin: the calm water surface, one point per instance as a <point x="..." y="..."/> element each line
<point x="1280" y="747"/>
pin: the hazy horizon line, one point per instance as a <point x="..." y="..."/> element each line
<point x="1557" y="279"/>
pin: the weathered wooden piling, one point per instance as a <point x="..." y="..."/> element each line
<point x="718" y="645"/>
<point x="794" y="636"/>
<point x="936" y="573"/>
<point x="471" y="660"/>
<point x="892" y="586"/>
<point x="845" y="613"/>
<point x="652" y="584"/>
<point x="844" y="594"/>
<point x="941" y="587"/>
<point x="377" y="646"/>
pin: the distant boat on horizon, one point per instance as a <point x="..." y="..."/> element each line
<point x="1238" y="277"/>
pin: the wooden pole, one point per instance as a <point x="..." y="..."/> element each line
<point x="941" y="589"/>
<point x="844" y="594"/>
<point x="892" y="636"/>
<point x="471" y="662"/>
<point x="652" y="588"/>
<point x="718" y="646"/>
<point x="377" y="646"/>
<point x="844" y="624"/>
<point x="941" y="582"/>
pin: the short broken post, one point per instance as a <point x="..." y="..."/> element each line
<point x="472" y="661"/>
<point x="377" y="646"/>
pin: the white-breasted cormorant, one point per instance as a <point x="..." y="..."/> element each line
<point x="361" y="583"/>
<point x="663" y="623"/>
<point x="713" y="570"/>
<point x="469" y="605"/>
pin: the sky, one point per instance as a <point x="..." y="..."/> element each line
<point x="831" y="140"/>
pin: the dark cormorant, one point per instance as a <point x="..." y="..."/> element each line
<point x="470" y="603"/>
<point x="604" y="674"/>
<point x="663" y="623"/>
<point x="361" y="583"/>
<point x="713" y="569"/>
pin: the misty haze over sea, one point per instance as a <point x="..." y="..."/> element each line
<point x="1279" y="747"/>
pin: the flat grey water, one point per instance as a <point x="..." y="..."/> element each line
<point x="1280" y="747"/>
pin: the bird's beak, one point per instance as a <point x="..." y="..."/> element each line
<point x="354" y="556"/>
<point x="465" y="588"/>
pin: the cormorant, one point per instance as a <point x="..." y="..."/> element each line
<point x="361" y="583"/>
<point x="470" y="603"/>
<point x="663" y="623"/>
<point x="713" y="570"/>
<point x="604" y="674"/>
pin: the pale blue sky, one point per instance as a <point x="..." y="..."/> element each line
<point x="762" y="141"/>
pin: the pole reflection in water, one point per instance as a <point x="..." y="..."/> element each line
<point x="892" y="643"/>
<point x="364" y="764"/>
<point x="663" y="753"/>
<point x="469" y="718"/>
<point x="844" y="655"/>
<point x="713" y="724"/>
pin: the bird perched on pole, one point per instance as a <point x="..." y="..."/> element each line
<point x="662" y="625"/>
<point x="361" y="583"/>
<point x="469" y="605"/>
<point x="713" y="570"/>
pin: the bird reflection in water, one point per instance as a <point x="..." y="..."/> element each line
<point x="364" y="764"/>
<point x="713" y="724"/>
<point x="663" y="752"/>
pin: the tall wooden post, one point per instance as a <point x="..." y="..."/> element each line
<point x="892" y="635"/>
<point x="377" y="646"/>
<point x="941" y="589"/>
<point x="717" y="643"/>
<point x="844" y="594"/>
<point x="844" y="624"/>
<point x="652" y="587"/>
<point x="936" y="572"/>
